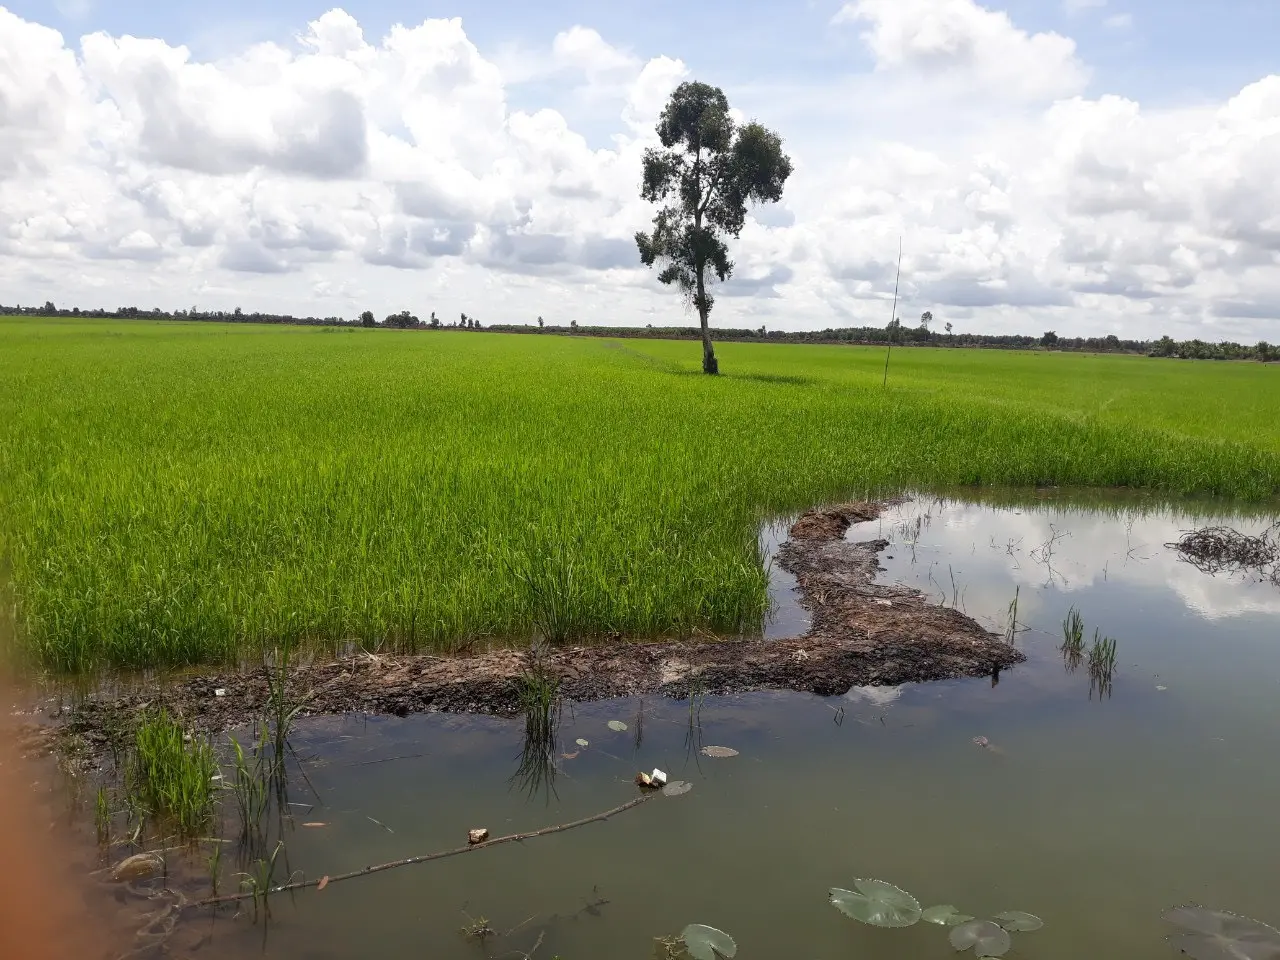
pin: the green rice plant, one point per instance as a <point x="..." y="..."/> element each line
<point x="282" y="709"/>
<point x="1102" y="655"/>
<point x="1011" y="625"/>
<point x="553" y="585"/>
<point x="538" y="691"/>
<point x="1102" y="664"/>
<point x="102" y="816"/>
<point x="171" y="773"/>
<point x="215" y="868"/>
<point x="185" y="494"/>
<point x="1072" y="638"/>
<point x="259" y="782"/>
<point x="258" y="880"/>
<point x="249" y="785"/>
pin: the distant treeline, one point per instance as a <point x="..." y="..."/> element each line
<point x="896" y="333"/>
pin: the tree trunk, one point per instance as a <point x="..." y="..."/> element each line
<point x="709" y="363"/>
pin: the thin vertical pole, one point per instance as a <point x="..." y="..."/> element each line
<point x="894" y="316"/>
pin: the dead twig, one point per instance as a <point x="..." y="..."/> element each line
<point x="425" y="858"/>
<point x="1212" y="549"/>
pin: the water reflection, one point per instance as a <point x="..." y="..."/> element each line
<point x="975" y="556"/>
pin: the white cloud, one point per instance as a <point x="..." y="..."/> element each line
<point x="585" y="49"/>
<point x="345" y="171"/>
<point x="959" y="41"/>
<point x="1118" y="21"/>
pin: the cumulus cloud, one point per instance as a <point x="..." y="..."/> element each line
<point x="344" y="170"/>
<point x="959" y="41"/>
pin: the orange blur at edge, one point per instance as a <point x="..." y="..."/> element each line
<point x="42" y="914"/>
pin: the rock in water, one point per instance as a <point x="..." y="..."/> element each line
<point x="138" y="867"/>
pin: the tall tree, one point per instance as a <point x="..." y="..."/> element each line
<point x="704" y="175"/>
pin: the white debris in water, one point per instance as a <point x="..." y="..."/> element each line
<point x="658" y="777"/>
<point x="881" y="696"/>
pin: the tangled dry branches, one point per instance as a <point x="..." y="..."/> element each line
<point x="1215" y="549"/>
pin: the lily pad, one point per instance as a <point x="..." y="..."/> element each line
<point x="877" y="903"/>
<point x="676" y="788"/>
<point x="986" y="938"/>
<point x="1219" y="935"/>
<point x="1015" y="921"/>
<point x="945" y="915"/>
<point x="707" y="943"/>
<point x="581" y="742"/>
<point x="617" y="725"/>
<point x="719" y="752"/>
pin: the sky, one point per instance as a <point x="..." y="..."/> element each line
<point x="1084" y="166"/>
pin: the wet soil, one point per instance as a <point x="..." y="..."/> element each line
<point x="862" y="633"/>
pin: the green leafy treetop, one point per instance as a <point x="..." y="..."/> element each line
<point x="704" y="175"/>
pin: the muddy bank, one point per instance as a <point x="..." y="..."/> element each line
<point x="861" y="634"/>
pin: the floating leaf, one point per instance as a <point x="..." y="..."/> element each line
<point x="707" y="943"/>
<point x="582" y="743"/>
<point x="1219" y="935"/>
<point x="676" y="788"/>
<point x="324" y="882"/>
<point x="987" y="939"/>
<point x="617" y="725"/>
<point x="877" y="903"/>
<point x="570" y="756"/>
<point x="945" y="915"/>
<point x="719" y="752"/>
<point x="1015" y="921"/>
<point x="315" y="823"/>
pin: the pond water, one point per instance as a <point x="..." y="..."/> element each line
<point x="1094" y="812"/>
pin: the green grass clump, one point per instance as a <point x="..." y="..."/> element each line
<point x="178" y="493"/>
<point x="1073" y="635"/>
<point x="170" y="776"/>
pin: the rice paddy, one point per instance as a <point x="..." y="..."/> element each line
<point x="190" y="493"/>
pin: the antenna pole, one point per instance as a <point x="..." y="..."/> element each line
<point x="894" y="316"/>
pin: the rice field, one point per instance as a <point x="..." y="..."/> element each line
<point x="178" y="494"/>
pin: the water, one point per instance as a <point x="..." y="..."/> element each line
<point x="1094" y="813"/>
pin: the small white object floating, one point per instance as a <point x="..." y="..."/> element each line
<point x="658" y="778"/>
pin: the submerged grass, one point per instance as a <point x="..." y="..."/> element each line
<point x="186" y="493"/>
<point x="1073" y="636"/>
<point x="1102" y="664"/>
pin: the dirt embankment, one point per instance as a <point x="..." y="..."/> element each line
<point x="862" y="633"/>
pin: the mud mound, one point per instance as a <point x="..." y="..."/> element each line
<point x="830" y="523"/>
